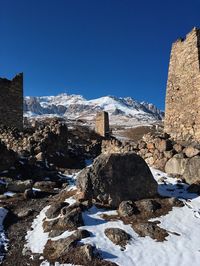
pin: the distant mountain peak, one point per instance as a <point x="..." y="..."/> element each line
<point x="74" y="106"/>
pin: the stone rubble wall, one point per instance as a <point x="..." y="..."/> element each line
<point x="48" y="139"/>
<point x="163" y="153"/>
<point x="182" y="117"/>
<point x="11" y="102"/>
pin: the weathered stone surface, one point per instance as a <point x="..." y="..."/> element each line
<point x="54" y="209"/>
<point x="147" y="205"/>
<point x="56" y="249"/>
<point x="114" y="178"/>
<point x="176" y="166"/>
<point x="182" y="119"/>
<point x="11" y="101"/>
<point x="117" y="236"/>
<point x="45" y="185"/>
<point x="150" y="229"/>
<point x="178" y="147"/>
<point x="194" y="188"/>
<point x="19" y="186"/>
<point x="24" y="213"/>
<point x="190" y="151"/>
<point x="163" y="144"/>
<point x="102" y="124"/>
<point x="127" y="208"/>
<point x="2" y="187"/>
<point x="7" y="157"/>
<point x="192" y="170"/>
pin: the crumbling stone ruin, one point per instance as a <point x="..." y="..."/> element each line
<point x="11" y="102"/>
<point x="102" y="124"/>
<point x="182" y="117"/>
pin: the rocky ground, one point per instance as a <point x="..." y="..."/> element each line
<point x="56" y="210"/>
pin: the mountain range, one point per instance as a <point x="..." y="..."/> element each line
<point x="121" y="110"/>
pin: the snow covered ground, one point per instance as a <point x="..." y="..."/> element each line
<point x="181" y="249"/>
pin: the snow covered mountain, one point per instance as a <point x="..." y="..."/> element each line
<point x="77" y="107"/>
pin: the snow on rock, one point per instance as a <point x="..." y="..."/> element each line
<point x="182" y="246"/>
<point x="124" y="110"/>
<point x="37" y="238"/>
<point x="46" y="263"/>
<point x="3" y="238"/>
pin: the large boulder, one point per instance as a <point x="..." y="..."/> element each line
<point x="176" y="166"/>
<point x="114" y="178"/>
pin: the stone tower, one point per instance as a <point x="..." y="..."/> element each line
<point x="102" y="124"/>
<point x="182" y="107"/>
<point x="11" y="102"/>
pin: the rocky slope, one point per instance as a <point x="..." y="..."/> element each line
<point x="121" y="110"/>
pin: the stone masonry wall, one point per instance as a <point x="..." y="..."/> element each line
<point x="11" y="102"/>
<point x="182" y="113"/>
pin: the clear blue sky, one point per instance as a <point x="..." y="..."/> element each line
<point x="93" y="47"/>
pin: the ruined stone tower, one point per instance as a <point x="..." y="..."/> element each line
<point x="102" y="124"/>
<point x="182" y="111"/>
<point x="11" y="102"/>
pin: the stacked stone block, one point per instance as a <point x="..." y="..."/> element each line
<point x="102" y="124"/>
<point x="182" y="115"/>
<point x="11" y="102"/>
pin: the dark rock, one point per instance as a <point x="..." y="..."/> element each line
<point x="150" y="229"/>
<point x="55" y="209"/>
<point x="114" y="178"/>
<point x="2" y="187"/>
<point x="54" y="250"/>
<point x="88" y="251"/>
<point x="127" y="208"/>
<point x="71" y="220"/>
<point x="147" y="205"/>
<point x="117" y="236"/>
<point x="29" y="194"/>
<point x="24" y="213"/>
<point x="7" y="157"/>
<point x="19" y="186"/>
<point x="194" y="188"/>
<point x="45" y="185"/>
<point x="80" y="234"/>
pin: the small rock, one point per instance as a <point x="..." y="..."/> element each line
<point x="40" y="156"/>
<point x="178" y="148"/>
<point x="191" y="151"/>
<point x="194" y="188"/>
<point x="117" y="236"/>
<point x="127" y="208"/>
<point x="19" y="186"/>
<point x="45" y="185"/>
<point x="147" y="205"/>
<point x="29" y="194"/>
<point x="2" y="187"/>
<point x="81" y="233"/>
<point x="55" y="209"/>
<point x="88" y="251"/>
<point x="150" y="229"/>
<point x="24" y="213"/>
